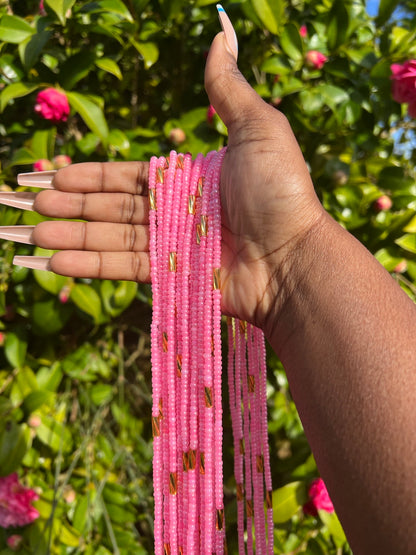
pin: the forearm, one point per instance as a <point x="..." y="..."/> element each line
<point x="345" y="335"/>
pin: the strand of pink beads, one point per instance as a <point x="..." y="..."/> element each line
<point x="185" y="256"/>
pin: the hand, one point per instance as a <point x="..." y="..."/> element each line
<point x="268" y="202"/>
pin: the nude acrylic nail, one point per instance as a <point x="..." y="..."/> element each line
<point x="229" y="32"/>
<point x="18" y="233"/>
<point x="33" y="262"/>
<point x="42" y="180"/>
<point x="24" y="201"/>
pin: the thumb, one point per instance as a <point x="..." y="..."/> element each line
<point x="228" y="91"/>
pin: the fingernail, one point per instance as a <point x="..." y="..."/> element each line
<point x="18" y="200"/>
<point x="229" y="32"/>
<point x="43" y="180"/>
<point x="33" y="262"/>
<point x="18" y="233"/>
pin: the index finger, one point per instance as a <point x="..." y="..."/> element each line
<point x="109" y="177"/>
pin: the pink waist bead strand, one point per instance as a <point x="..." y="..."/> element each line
<point x="185" y="258"/>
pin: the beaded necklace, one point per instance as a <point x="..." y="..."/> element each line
<point x="185" y="257"/>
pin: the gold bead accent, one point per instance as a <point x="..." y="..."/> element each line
<point x="208" y="397"/>
<point x="165" y="342"/>
<point x="225" y="547"/>
<point x="201" y="183"/>
<point x="167" y="548"/>
<point x="202" y="463"/>
<point x="160" y="176"/>
<point x="242" y="449"/>
<point x="173" y="483"/>
<point x="155" y="426"/>
<point x="179" y="161"/>
<point x="240" y="492"/>
<point x="179" y="365"/>
<point x="185" y="461"/>
<point x="217" y="278"/>
<point x="269" y="499"/>
<point x="152" y="199"/>
<point x="251" y="383"/>
<point x="198" y="234"/>
<point x="212" y="345"/>
<point x="192" y="459"/>
<point x="259" y="463"/>
<point x="172" y="262"/>
<point x="219" y="524"/>
<point x="180" y="549"/>
<point x="243" y="326"/>
<point x="249" y="508"/>
<point x="191" y="204"/>
<point x="204" y="225"/>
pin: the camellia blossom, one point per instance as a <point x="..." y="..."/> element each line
<point x="404" y="85"/>
<point x="315" y="59"/>
<point x="52" y="104"/>
<point x="42" y="165"/>
<point x="318" y="498"/>
<point x="15" y="502"/>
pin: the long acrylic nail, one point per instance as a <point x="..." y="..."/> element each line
<point x="229" y="32"/>
<point x="33" y="262"/>
<point x="18" y="233"/>
<point x="42" y="180"/>
<point x="18" y="200"/>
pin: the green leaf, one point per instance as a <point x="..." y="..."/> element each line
<point x="15" y="90"/>
<point x="54" y="434"/>
<point x="287" y="501"/>
<point x="49" y="316"/>
<point x="15" y="348"/>
<point x="87" y="300"/>
<point x="36" y="399"/>
<point x="117" y="296"/>
<point x="60" y="7"/>
<point x="101" y="393"/>
<point x="291" y="42"/>
<point x="43" y="146"/>
<point x="268" y="12"/>
<point x="388" y="258"/>
<point x="31" y="48"/>
<point x="333" y="524"/>
<point x="14" y="441"/>
<point x="117" y="7"/>
<point x="110" y="66"/>
<point x="338" y="25"/>
<point x="148" y="50"/>
<point x="49" y="281"/>
<point x="407" y="242"/>
<point x="118" y="141"/>
<point x="385" y="9"/>
<point x="14" y="29"/>
<point x="75" y="68"/>
<point x="90" y="113"/>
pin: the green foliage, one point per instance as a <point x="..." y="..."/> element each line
<point x="74" y="364"/>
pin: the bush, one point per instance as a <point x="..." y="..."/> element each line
<point x="74" y="368"/>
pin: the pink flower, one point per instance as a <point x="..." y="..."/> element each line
<point x="400" y="267"/>
<point x="15" y="542"/>
<point x="42" y="165"/>
<point x="303" y="31"/>
<point x="61" y="161"/>
<point x="382" y="203"/>
<point x="315" y="59"/>
<point x="42" y="8"/>
<point x="177" y="136"/>
<point x="64" y="294"/>
<point x="15" y="502"/>
<point x="318" y="498"/>
<point x="404" y="85"/>
<point x="2" y="338"/>
<point x="210" y="114"/>
<point x="52" y="104"/>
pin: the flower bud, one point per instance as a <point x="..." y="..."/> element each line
<point x="61" y="161"/>
<point x="210" y="114"/>
<point x="177" y="136"/>
<point x="42" y="165"/>
<point x="15" y="542"/>
<point x="401" y="267"/>
<point x="382" y="203"/>
<point x="315" y="59"/>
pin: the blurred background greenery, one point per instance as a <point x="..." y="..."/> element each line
<point x="75" y="375"/>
